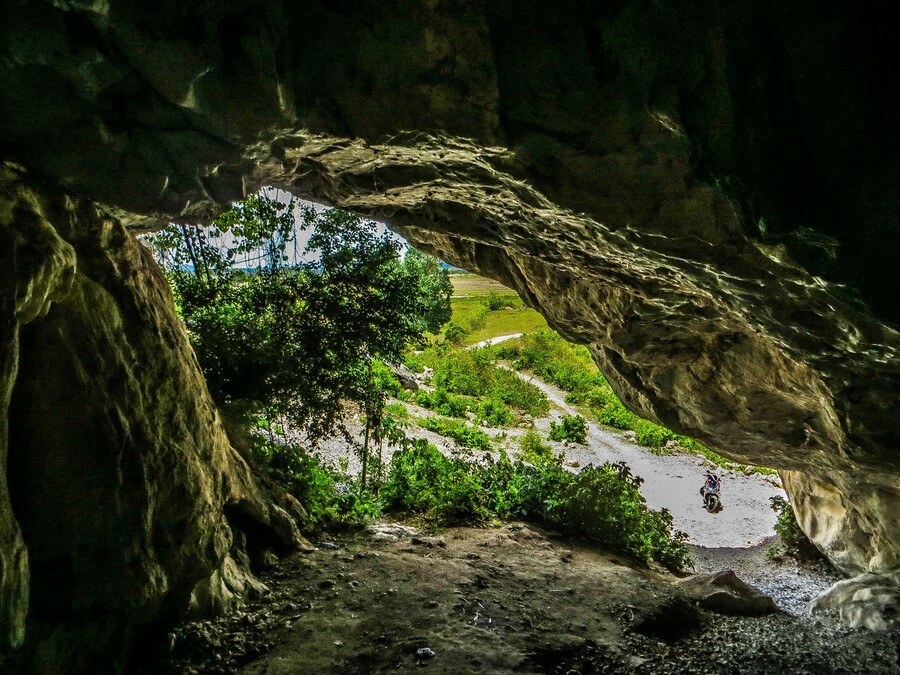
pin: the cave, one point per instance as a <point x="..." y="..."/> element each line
<point x="704" y="194"/>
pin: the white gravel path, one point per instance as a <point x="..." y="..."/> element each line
<point x="673" y="481"/>
<point x="494" y="341"/>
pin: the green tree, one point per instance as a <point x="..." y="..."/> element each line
<point x="294" y="342"/>
<point x="434" y="286"/>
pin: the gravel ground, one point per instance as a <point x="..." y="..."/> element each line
<point x="673" y="481"/>
<point x="510" y="599"/>
<point x="791" y="583"/>
<point x="774" y="644"/>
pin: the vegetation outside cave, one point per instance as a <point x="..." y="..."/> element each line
<point x="269" y="372"/>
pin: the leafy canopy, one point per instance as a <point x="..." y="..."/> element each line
<point x="293" y="338"/>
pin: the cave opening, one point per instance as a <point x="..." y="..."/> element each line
<point x="535" y="397"/>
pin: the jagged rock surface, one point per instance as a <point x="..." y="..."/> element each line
<point x="683" y="187"/>
<point x="726" y="593"/>
<point x="121" y="477"/>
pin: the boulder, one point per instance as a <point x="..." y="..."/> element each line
<point x="725" y="593"/>
<point x="866" y="600"/>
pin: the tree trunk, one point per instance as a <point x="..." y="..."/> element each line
<point x="365" y="453"/>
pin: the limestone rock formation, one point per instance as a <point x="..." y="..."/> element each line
<point x="704" y="193"/>
<point x="126" y="488"/>
<point x="869" y="600"/>
<point x="726" y="593"/>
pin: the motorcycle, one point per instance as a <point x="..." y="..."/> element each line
<point x="712" y="501"/>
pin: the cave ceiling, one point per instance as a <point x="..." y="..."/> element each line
<point x="704" y="193"/>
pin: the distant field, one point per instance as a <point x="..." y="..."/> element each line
<point x="472" y="285"/>
<point x="506" y="321"/>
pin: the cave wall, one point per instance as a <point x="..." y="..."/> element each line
<point x="120" y="474"/>
<point x="704" y="193"/>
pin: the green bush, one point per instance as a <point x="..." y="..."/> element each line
<point x="600" y="503"/>
<point x="465" y="435"/>
<point x="454" y="333"/>
<point x="794" y="541"/>
<point x="533" y="450"/>
<point x="327" y="495"/>
<point x="496" y="301"/>
<point x="604" y="504"/>
<point x="571" y="428"/>
<point x="422" y="480"/>
<point x="493" y="412"/>
<point x="442" y="402"/>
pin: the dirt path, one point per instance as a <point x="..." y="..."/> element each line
<point x="494" y="341"/>
<point x="673" y="481"/>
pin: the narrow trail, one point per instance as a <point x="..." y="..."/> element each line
<point x="673" y="481"/>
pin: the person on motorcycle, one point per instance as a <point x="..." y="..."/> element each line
<point x="712" y="485"/>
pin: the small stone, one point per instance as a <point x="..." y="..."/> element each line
<point x="425" y="653"/>
<point x="338" y="643"/>
<point x="328" y="546"/>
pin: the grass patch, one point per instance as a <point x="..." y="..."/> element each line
<point x="474" y="373"/>
<point x="465" y="435"/>
<point x="490" y="315"/>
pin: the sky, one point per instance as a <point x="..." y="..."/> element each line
<point x="302" y="237"/>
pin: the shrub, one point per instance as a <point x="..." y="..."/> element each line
<point x="571" y="428"/>
<point x="465" y="435"/>
<point x="601" y="503"/>
<point x="533" y="450"/>
<point x="446" y="404"/>
<point x="475" y="318"/>
<point x="496" y="301"/>
<point x="794" y="541"/>
<point x="326" y="494"/>
<point x="422" y="480"/>
<point x="493" y="412"/>
<point x="454" y="333"/>
<point x="604" y="504"/>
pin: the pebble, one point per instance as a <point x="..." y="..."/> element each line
<point x="425" y="653"/>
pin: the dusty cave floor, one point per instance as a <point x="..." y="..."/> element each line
<point x="510" y="598"/>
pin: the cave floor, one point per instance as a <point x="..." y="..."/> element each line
<point x="503" y="599"/>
